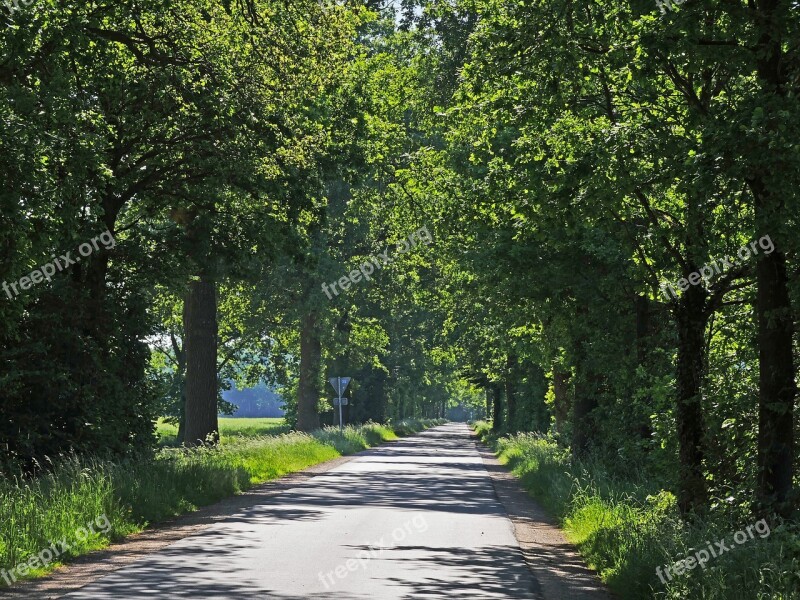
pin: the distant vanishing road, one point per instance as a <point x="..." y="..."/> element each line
<point x="418" y="518"/>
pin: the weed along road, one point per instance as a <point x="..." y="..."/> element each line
<point x="419" y="518"/>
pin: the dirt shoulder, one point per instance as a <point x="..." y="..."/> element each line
<point x="555" y="562"/>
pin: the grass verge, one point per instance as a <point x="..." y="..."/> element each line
<point x="81" y="504"/>
<point x="627" y="529"/>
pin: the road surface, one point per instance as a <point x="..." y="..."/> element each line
<point x="418" y="518"/>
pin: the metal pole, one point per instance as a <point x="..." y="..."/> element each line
<point x="339" y="390"/>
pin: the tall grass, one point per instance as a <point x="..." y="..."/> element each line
<point x="135" y="493"/>
<point x="627" y="528"/>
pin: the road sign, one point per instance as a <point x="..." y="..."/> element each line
<point x="340" y="384"/>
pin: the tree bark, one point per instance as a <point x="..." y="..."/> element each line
<point x="200" y="327"/>
<point x="308" y="389"/>
<point x="692" y="317"/>
<point x="511" y="394"/>
<point x="643" y="341"/>
<point x="582" y="408"/>
<point x="777" y="386"/>
<point x="777" y="389"/>
<point x="587" y="384"/>
<point x="539" y="418"/>
<point x="497" y="407"/>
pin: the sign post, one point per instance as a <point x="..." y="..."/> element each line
<point x="340" y="385"/>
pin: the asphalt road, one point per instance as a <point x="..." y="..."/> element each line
<point x="418" y="518"/>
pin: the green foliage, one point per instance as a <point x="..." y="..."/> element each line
<point x="626" y="528"/>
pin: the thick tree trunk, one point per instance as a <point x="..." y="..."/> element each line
<point x="691" y="316"/>
<point x="308" y="389"/>
<point x="200" y="329"/>
<point x="777" y="389"/>
<point x="643" y="332"/>
<point x="488" y="402"/>
<point x="586" y="387"/>
<point x="497" y="408"/>
<point x="373" y="395"/>
<point x="511" y="394"/>
<point x="511" y="406"/>
<point x="777" y="386"/>
<point x="539" y="418"/>
<point x="97" y="320"/>
<point x="582" y="408"/>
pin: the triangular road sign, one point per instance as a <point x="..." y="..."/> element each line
<point x="340" y="384"/>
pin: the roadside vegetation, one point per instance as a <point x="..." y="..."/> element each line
<point x="627" y="527"/>
<point x="136" y="493"/>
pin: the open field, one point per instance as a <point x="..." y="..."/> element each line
<point x="229" y="428"/>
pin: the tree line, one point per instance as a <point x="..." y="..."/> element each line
<point x="571" y="162"/>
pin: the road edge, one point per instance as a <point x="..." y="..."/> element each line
<point x="88" y="568"/>
<point x="556" y="563"/>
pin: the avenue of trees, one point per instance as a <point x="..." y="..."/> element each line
<point x="575" y="163"/>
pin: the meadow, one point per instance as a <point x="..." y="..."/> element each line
<point x="229" y="427"/>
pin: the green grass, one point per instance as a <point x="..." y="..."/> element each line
<point x="229" y="427"/>
<point x="625" y="529"/>
<point x="136" y="493"/>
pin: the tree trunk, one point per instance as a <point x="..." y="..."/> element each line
<point x="97" y="320"/>
<point x="200" y="328"/>
<point x="691" y="316"/>
<point x="643" y="332"/>
<point x="497" y="404"/>
<point x="308" y="389"/>
<point x="539" y="418"/>
<point x="582" y="408"/>
<point x="511" y="394"/>
<point x="587" y="384"/>
<point x="777" y="386"/>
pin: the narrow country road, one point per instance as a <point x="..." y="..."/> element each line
<point x="418" y="518"/>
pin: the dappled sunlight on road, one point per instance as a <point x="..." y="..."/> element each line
<point x="347" y="534"/>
